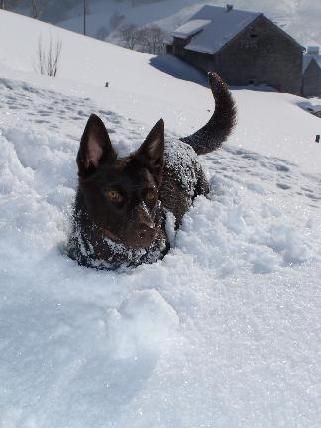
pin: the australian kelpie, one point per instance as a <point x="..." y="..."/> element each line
<point x="121" y="205"/>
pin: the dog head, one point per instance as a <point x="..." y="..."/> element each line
<point x="120" y="196"/>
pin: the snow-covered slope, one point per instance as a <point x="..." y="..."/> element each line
<point x="300" y="18"/>
<point x="146" y="88"/>
<point x="225" y="330"/>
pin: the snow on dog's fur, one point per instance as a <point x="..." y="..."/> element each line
<point x="121" y="204"/>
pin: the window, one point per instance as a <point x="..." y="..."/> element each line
<point x="248" y="44"/>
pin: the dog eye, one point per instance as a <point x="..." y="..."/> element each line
<point x="114" y="196"/>
<point x="150" y="196"/>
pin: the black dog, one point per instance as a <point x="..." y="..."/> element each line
<point x="121" y="204"/>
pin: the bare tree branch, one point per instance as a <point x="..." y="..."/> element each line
<point x="155" y="39"/>
<point x="129" y="35"/>
<point x="48" y="60"/>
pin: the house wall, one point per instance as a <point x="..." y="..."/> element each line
<point x="199" y="60"/>
<point x="261" y="54"/>
<point x="202" y="61"/>
<point x="312" y="80"/>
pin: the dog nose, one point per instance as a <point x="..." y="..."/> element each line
<point x="146" y="227"/>
<point x="145" y="221"/>
<point x="147" y="224"/>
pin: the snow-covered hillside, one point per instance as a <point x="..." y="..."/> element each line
<point x="299" y="17"/>
<point x="225" y="331"/>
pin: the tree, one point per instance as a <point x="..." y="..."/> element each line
<point x="150" y="39"/>
<point x="147" y="39"/>
<point x="155" y="39"/>
<point x="37" y="8"/>
<point x="8" y="4"/>
<point x="48" y="59"/>
<point x="129" y="35"/>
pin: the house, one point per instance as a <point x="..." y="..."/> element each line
<point x="311" y="84"/>
<point x="243" y="47"/>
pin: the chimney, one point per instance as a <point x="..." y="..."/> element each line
<point x="229" y="7"/>
<point x="313" y="50"/>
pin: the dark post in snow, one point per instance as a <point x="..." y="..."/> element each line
<point x="317" y="138"/>
<point x="85" y="11"/>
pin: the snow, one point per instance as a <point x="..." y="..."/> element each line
<point x="225" y="330"/>
<point x="101" y="14"/>
<point x="299" y="18"/>
<point x="191" y="27"/>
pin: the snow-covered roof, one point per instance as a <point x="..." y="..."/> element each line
<point x="313" y="50"/>
<point x="223" y="25"/>
<point x="308" y="58"/>
<point x="190" y="28"/>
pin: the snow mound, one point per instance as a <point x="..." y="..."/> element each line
<point x="142" y="324"/>
<point x="225" y="328"/>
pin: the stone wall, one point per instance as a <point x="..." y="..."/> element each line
<point x="260" y="54"/>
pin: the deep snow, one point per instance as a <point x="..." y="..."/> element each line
<point x="225" y="331"/>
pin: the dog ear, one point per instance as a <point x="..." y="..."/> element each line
<point x="151" y="152"/>
<point x="95" y="147"/>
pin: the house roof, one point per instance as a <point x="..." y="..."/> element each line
<point x="190" y="28"/>
<point x="212" y="27"/>
<point x="307" y="60"/>
<point x="222" y="26"/>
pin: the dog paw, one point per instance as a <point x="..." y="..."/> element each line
<point x="142" y="325"/>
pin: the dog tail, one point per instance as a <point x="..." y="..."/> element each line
<point x="211" y="136"/>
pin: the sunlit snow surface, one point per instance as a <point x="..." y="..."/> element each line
<point x="224" y="332"/>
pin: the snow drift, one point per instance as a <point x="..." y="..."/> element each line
<point x="225" y="330"/>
